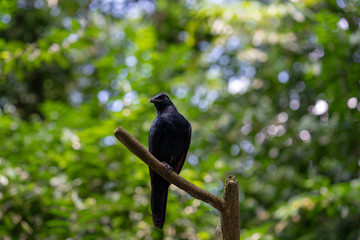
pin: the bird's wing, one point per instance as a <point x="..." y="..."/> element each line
<point x="181" y="162"/>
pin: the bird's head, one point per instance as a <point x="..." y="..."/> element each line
<point x="161" y="101"/>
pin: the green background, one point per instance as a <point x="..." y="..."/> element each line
<point x="271" y="89"/>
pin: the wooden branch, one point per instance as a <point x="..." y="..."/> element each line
<point x="228" y="206"/>
<point x="135" y="147"/>
<point x="230" y="216"/>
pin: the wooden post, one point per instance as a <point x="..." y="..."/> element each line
<point x="230" y="215"/>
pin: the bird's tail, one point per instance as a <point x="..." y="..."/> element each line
<point x="159" y="193"/>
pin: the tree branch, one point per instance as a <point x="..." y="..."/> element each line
<point x="172" y="177"/>
<point x="230" y="216"/>
<point x="228" y="206"/>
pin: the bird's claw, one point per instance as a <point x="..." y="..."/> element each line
<point x="168" y="167"/>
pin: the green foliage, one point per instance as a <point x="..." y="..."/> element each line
<point x="271" y="89"/>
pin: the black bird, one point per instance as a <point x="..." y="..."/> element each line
<point x="169" y="141"/>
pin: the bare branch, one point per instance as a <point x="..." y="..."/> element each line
<point x="228" y="206"/>
<point x="139" y="150"/>
<point x="230" y="216"/>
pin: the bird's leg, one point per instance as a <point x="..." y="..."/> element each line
<point x="168" y="167"/>
<point x="172" y="160"/>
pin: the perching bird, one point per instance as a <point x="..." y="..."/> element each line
<point x="169" y="141"/>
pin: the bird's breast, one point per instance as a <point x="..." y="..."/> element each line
<point x="172" y="142"/>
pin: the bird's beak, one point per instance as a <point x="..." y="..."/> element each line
<point x="153" y="100"/>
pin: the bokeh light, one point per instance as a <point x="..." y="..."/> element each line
<point x="352" y="102"/>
